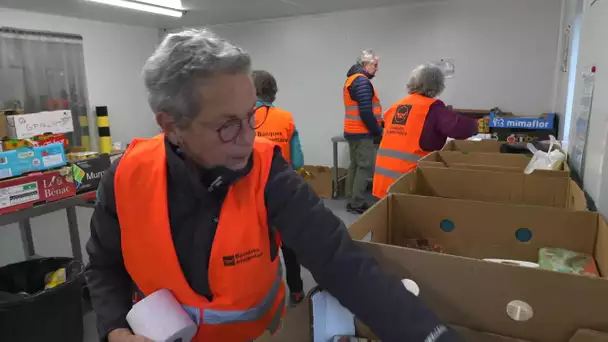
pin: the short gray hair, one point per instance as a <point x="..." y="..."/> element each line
<point x="179" y="66"/>
<point x="427" y="80"/>
<point x="367" y="56"/>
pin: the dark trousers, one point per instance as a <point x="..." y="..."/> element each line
<point x="292" y="268"/>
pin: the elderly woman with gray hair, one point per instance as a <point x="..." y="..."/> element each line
<point x="415" y="126"/>
<point x="201" y="210"/>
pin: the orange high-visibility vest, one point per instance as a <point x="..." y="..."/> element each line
<point x="247" y="287"/>
<point x="352" y="117"/>
<point x="400" y="150"/>
<point x="277" y="126"/>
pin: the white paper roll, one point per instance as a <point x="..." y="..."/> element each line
<point x="514" y="262"/>
<point x="161" y="318"/>
<point x="411" y="286"/>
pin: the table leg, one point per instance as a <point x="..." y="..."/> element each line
<point x="335" y="170"/>
<point x="27" y="241"/>
<point x="74" y="234"/>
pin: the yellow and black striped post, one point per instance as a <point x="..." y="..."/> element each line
<point x="103" y="127"/>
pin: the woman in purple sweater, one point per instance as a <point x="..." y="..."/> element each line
<point x="415" y="126"/>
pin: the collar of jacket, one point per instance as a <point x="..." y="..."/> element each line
<point x="261" y="103"/>
<point x="358" y="69"/>
<point x="191" y="178"/>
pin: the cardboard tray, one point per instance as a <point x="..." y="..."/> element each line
<point x="492" y="186"/>
<point x="505" y="162"/>
<point x="468" y="292"/>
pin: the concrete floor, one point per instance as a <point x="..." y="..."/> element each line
<point x="292" y="323"/>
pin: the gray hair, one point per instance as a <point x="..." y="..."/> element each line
<point x="180" y="65"/>
<point x="427" y="80"/>
<point x="367" y="56"/>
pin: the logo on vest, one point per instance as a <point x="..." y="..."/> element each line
<point x="401" y="114"/>
<point x="276" y="137"/>
<point x="241" y="258"/>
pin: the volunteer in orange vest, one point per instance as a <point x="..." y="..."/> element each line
<point x="277" y="125"/>
<point x="362" y="126"/>
<point x="416" y="126"/>
<point x="201" y="209"/>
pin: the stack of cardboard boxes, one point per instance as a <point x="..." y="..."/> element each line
<point x="470" y="203"/>
<point x="34" y="166"/>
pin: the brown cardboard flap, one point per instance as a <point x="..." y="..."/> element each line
<point x="489" y="146"/>
<point x="488" y="230"/>
<point x="487" y="186"/>
<point x="585" y="335"/>
<point x="475" y="294"/>
<point x="469" y="335"/>
<point x="601" y="247"/>
<point x="373" y="221"/>
<point x="577" y="198"/>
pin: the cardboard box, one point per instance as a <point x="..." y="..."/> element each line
<point x="321" y="179"/>
<point x="57" y="184"/>
<point x="88" y="172"/>
<point x="478" y="295"/>
<point x="28" y="125"/>
<point x="20" y="193"/>
<point x="492" y="186"/>
<point x="27" y="159"/>
<point x="485" y="161"/>
<point x="487" y="146"/>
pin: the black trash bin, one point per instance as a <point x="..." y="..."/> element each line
<point x="28" y="313"/>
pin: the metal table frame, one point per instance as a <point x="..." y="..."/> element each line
<point x="335" y="176"/>
<point x="22" y="217"/>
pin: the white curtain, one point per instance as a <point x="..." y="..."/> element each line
<point x="42" y="71"/>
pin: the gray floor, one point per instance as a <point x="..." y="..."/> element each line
<point x="337" y="206"/>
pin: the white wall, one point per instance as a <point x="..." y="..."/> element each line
<point x="505" y="54"/>
<point x="594" y="51"/>
<point x="114" y="55"/>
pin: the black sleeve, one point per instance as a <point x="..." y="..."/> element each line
<point x="107" y="279"/>
<point x="362" y="91"/>
<point x="324" y="247"/>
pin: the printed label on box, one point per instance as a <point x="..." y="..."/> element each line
<point x="541" y="123"/>
<point x="52" y="160"/>
<point x="18" y="194"/>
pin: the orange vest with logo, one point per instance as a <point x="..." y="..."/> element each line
<point x="400" y="150"/>
<point x="277" y="126"/>
<point x="352" y="118"/>
<point x="246" y="285"/>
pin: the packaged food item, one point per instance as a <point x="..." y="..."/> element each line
<point x="53" y="279"/>
<point x="567" y="261"/>
<point x="27" y="159"/>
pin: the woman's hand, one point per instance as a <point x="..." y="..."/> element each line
<point x="125" y="335"/>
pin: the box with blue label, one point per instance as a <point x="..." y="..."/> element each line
<point x="513" y="128"/>
<point x="27" y="159"/>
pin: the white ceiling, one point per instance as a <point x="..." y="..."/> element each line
<point x="200" y="12"/>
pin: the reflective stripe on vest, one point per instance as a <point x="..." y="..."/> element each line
<point x="211" y="316"/>
<point x="387" y="173"/>
<point x="405" y="156"/>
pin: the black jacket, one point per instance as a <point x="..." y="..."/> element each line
<point x="362" y="91"/>
<point x="318" y="237"/>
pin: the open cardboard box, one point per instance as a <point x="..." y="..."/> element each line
<point x="474" y="294"/>
<point x="487" y="146"/>
<point x="321" y="179"/>
<point x="492" y="186"/>
<point x="486" y="161"/>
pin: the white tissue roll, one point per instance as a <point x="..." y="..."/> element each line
<point x="514" y="262"/>
<point x="161" y="318"/>
<point x="411" y="286"/>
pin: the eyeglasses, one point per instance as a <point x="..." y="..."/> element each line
<point x="231" y="129"/>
